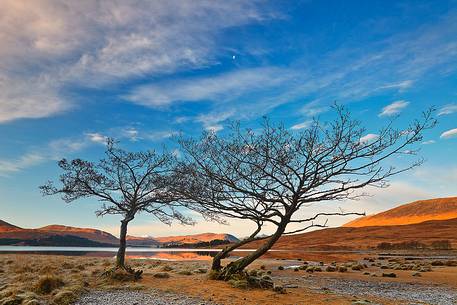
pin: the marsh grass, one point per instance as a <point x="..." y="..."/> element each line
<point x="60" y="280"/>
<point x="42" y="279"/>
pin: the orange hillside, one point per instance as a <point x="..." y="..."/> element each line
<point x="411" y="213"/>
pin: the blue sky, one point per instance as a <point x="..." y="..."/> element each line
<point x="73" y="73"/>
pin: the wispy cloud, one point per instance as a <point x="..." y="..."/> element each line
<point x="212" y="121"/>
<point x="452" y="133"/>
<point x="447" y="109"/>
<point x="217" y="88"/>
<point x="53" y="150"/>
<point x="109" y="42"/>
<point x="428" y="142"/>
<point x="394" y="108"/>
<point x="97" y="137"/>
<point x="302" y="125"/>
<point x="402" y="85"/>
<point x="368" y="138"/>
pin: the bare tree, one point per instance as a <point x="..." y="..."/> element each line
<point x="126" y="184"/>
<point x="269" y="176"/>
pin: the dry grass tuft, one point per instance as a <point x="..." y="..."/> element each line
<point x="48" y="284"/>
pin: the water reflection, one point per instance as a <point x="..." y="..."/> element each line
<point x="133" y="253"/>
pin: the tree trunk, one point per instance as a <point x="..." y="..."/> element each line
<point x="120" y="258"/>
<point x="239" y="265"/>
<point x="216" y="265"/>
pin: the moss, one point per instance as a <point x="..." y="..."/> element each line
<point x="357" y="267"/>
<point x="342" y="269"/>
<point x="239" y="283"/>
<point x="214" y="275"/>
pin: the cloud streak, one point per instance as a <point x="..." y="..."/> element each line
<point x="109" y="42"/>
<point x="393" y="108"/>
<point x="452" y="133"/>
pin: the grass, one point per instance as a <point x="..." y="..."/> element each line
<point x="43" y="279"/>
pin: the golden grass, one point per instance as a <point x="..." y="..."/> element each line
<point x="37" y="279"/>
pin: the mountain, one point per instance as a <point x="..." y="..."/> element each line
<point x="142" y="241"/>
<point x="411" y="213"/>
<point x="59" y="235"/>
<point x="55" y="235"/>
<point x="196" y="238"/>
<point x="435" y="234"/>
<point x="4" y="227"/>
<point x="88" y="233"/>
<point x="180" y="240"/>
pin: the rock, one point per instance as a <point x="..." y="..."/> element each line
<point x="418" y="274"/>
<point x="290" y="286"/>
<point x="330" y="269"/>
<point x="279" y="289"/>
<point x="280" y="268"/>
<point x="201" y="270"/>
<point x="161" y="275"/>
<point x="361" y="302"/>
<point x="437" y="263"/>
<point x="389" y="274"/>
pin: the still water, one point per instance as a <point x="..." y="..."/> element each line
<point x="132" y="252"/>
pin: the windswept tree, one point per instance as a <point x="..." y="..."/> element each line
<point x="125" y="183"/>
<point x="270" y="175"/>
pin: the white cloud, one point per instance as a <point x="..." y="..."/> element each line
<point x="211" y="121"/>
<point x="97" y="137"/>
<point x="54" y="150"/>
<point x="302" y="125"/>
<point x="402" y="85"/>
<point x="428" y="142"/>
<point x="449" y="134"/>
<point x="15" y="165"/>
<point x="217" y="88"/>
<point x="447" y="109"/>
<point x="159" y="135"/>
<point x="394" y="108"/>
<point x="368" y="138"/>
<point x="47" y="46"/>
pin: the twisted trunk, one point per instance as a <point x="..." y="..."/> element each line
<point x="120" y="257"/>
<point x="239" y="265"/>
<point x="217" y="265"/>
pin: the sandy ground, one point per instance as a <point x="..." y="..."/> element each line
<point x="20" y="274"/>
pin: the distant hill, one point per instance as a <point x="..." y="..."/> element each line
<point x="59" y="235"/>
<point x="435" y="234"/>
<point x="55" y="235"/>
<point x="88" y="233"/>
<point x="142" y="241"/>
<point x="411" y="213"/>
<point x="196" y="239"/>
<point x="4" y="227"/>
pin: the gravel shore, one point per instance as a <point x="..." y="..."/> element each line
<point x="150" y="297"/>
<point x="410" y="293"/>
